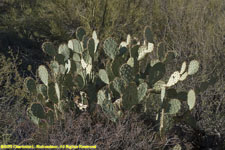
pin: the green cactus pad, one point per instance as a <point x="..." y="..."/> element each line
<point x="62" y="69"/>
<point x="116" y="64"/>
<point x="193" y="67"/>
<point x="43" y="74"/>
<point x="38" y="110"/>
<point x="94" y="36"/>
<point x="91" y="47"/>
<point x="60" y="59"/>
<point x="85" y="41"/>
<point x="42" y="89"/>
<point x="30" y="85"/>
<point x="130" y="96"/>
<point x="57" y="91"/>
<point x="109" y="71"/>
<point x="54" y="65"/>
<point x="80" y="33"/>
<point x="173" y="107"/>
<point x="183" y="67"/>
<point x="131" y="62"/>
<point x="75" y="46"/>
<point x="144" y="50"/>
<point x="157" y="72"/>
<point x="141" y="91"/>
<point x="134" y="51"/>
<point x="40" y="98"/>
<point x="191" y="99"/>
<point x="79" y="81"/>
<point x="52" y="93"/>
<point x="148" y="36"/>
<point x="126" y="72"/>
<point x="183" y="76"/>
<point x="64" y="50"/>
<point x="68" y="81"/>
<point x="103" y="76"/>
<point x="123" y="51"/>
<point x="174" y="78"/>
<point x="49" y="48"/>
<point x="119" y="85"/>
<point x="73" y="68"/>
<point x="101" y="97"/>
<point x="87" y="58"/>
<point x="78" y="66"/>
<point x="110" y="48"/>
<point x="115" y="93"/>
<point x="104" y="100"/>
<point x="76" y="57"/>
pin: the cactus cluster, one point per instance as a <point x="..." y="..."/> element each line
<point x="69" y="71"/>
<point x="126" y="79"/>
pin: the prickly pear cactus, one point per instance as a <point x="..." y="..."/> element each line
<point x="74" y="80"/>
<point x="69" y="70"/>
<point x="110" y="48"/>
<point x="126" y="72"/>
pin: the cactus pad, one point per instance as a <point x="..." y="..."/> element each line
<point x="38" y="110"/>
<point x="144" y="50"/>
<point x="191" y="99"/>
<point x="75" y="46"/>
<point x="130" y="96"/>
<point x="94" y="36"/>
<point x="110" y="48"/>
<point x="126" y="72"/>
<point x="64" y="50"/>
<point x="141" y="91"/>
<point x="183" y="67"/>
<point x="30" y="85"/>
<point x="174" y="78"/>
<point x="174" y="106"/>
<point x="80" y="32"/>
<point x="43" y="74"/>
<point x="60" y="59"/>
<point x="103" y="76"/>
<point x="193" y="67"/>
<point x="91" y="47"/>
<point x="148" y="36"/>
<point x="76" y="57"/>
<point x="116" y="64"/>
<point x="134" y="51"/>
<point x="156" y="73"/>
<point x="54" y="67"/>
<point x="49" y="48"/>
<point x="104" y="100"/>
<point x="119" y="85"/>
<point x="42" y="89"/>
<point x="52" y="93"/>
